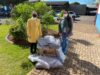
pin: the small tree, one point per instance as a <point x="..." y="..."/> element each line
<point x="76" y="3"/>
<point x="52" y="12"/>
<point x="67" y="6"/>
<point x="22" y="12"/>
<point x="18" y="31"/>
<point x="47" y="19"/>
<point x="41" y="8"/>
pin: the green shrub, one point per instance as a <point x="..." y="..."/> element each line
<point x="62" y="13"/>
<point x="47" y="19"/>
<point x="22" y="10"/>
<point x="75" y="3"/>
<point x="41" y="8"/>
<point x="21" y="13"/>
<point x="18" y="31"/>
<point x="52" y="12"/>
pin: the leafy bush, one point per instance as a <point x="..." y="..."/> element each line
<point x="52" y="12"/>
<point x="75" y="3"/>
<point x="47" y="19"/>
<point x="22" y="12"/>
<point x="18" y="31"/>
<point x="62" y="13"/>
<point x="41" y="8"/>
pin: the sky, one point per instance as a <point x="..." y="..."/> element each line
<point x="80" y="1"/>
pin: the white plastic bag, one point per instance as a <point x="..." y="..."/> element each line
<point x="46" y="62"/>
<point x="49" y="38"/>
<point x="61" y="55"/>
<point x="42" y="65"/>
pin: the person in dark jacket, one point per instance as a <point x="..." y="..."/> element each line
<point x="65" y="30"/>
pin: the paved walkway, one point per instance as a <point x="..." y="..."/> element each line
<point x="83" y="56"/>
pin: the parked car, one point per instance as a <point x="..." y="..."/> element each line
<point x="5" y="11"/>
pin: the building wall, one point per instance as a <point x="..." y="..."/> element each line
<point x="79" y="9"/>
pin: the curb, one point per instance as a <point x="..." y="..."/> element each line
<point x="6" y="38"/>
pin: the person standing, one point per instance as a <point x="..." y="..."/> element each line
<point x="65" y="30"/>
<point x="98" y="20"/>
<point x="34" y="32"/>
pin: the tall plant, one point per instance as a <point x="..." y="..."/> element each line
<point x="22" y="12"/>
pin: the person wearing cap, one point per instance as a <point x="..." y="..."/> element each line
<point x="65" y="30"/>
<point x="34" y="32"/>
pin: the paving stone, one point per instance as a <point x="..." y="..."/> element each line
<point x="83" y="55"/>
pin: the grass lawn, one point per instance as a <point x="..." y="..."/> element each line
<point x="53" y="27"/>
<point x="13" y="58"/>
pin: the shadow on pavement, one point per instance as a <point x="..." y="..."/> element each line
<point x="84" y="42"/>
<point x="73" y="65"/>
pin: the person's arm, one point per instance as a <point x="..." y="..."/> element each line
<point x="59" y="27"/>
<point x="28" y="28"/>
<point x="70" y="24"/>
<point x="95" y="19"/>
<point x="40" y="29"/>
<point x="96" y="15"/>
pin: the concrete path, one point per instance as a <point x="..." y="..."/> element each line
<point x="83" y="55"/>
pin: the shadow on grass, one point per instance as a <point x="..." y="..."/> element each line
<point x="22" y="43"/>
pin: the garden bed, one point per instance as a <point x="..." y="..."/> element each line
<point x="11" y="39"/>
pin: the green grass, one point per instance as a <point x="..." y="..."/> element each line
<point x="53" y="27"/>
<point x="13" y="58"/>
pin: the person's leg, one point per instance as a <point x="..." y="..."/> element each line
<point x="64" y="44"/>
<point x="31" y="48"/>
<point x="35" y="47"/>
<point x="67" y="45"/>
